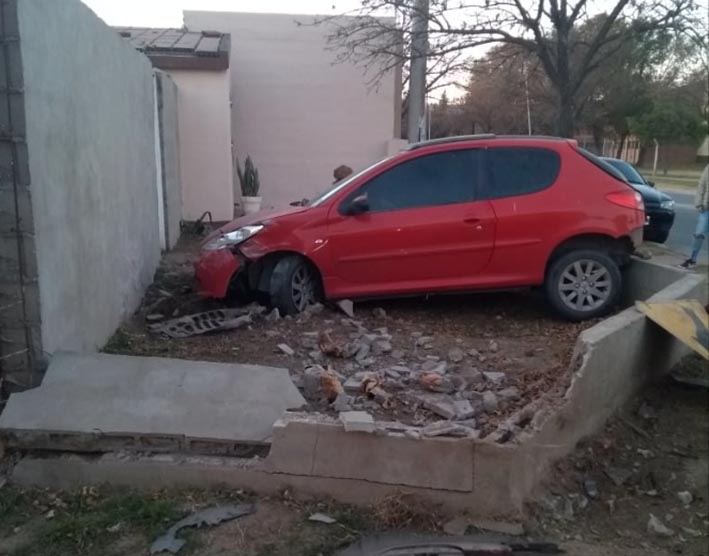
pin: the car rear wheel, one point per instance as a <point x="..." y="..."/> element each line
<point x="294" y="285"/>
<point x="583" y="284"/>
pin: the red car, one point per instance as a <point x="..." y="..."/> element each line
<point x="460" y="214"/>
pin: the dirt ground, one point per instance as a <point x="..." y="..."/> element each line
<point x="650" y="461"/>
<point x="654" y="449"/>
<point x="514" y="333"/>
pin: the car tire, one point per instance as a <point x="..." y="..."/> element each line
<point x="583" y="284"/>
<point x="294" y="285"/>
<point x="238" y="293"/>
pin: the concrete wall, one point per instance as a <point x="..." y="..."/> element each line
<point x="89" y="109"/>
<point x="296" y="112"/>
<point x="170" y="156"/>
<point x="205" y="143"/>
<point x="21" y="358"/>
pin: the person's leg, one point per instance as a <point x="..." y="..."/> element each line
<point x="700" y="233"/>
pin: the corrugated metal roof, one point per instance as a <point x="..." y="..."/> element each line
<point x="180" y="48"/>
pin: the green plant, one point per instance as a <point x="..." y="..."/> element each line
<point x="248" y="178"/>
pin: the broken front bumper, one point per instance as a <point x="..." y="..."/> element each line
<point x="214" y="271"/>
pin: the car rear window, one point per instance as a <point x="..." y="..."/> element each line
<point x="521" y="170"/>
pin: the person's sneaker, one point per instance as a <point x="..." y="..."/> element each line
<point x="688" y="264"/>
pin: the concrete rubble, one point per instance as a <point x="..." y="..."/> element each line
<point x="369" y="366"/>
<point x="202" y="323"/>
<point x="352" y="367"/>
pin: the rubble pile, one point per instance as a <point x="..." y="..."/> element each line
<point x="348" y="367"/>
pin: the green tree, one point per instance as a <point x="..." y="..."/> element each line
<point x="670" y="122"/>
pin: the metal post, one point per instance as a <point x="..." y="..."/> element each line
<point x="526" y="92"/>
<point x="657" y="152"/>
<point x="417" y="77"/>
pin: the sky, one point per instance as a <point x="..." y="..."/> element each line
<point x="168" y="13"/>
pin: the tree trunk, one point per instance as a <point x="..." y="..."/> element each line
<point x="565" y="117"/>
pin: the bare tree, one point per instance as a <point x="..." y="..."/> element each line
<point x="379" y="37"/>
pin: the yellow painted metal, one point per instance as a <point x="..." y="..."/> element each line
<point x="685" y="319"/>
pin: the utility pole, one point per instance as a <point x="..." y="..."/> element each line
<point x="417" y="76"/>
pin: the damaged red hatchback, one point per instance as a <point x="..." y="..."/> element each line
<point x="460" y="214"/>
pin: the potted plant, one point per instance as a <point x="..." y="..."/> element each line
<point x="248" y="178"/>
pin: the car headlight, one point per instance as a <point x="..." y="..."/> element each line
<point x="667" y="204"/>
<point x="232" y="238"/>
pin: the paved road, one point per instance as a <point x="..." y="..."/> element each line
<point x="685" y="221"/>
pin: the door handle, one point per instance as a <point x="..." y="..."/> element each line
<point x="471" y="220"/>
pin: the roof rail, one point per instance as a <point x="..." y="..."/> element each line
<point x="480" y="137"/>
<point x="444" y="140"/>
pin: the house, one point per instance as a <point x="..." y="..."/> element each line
<point x="198" y="63"/>
<point x="267" y="85"/>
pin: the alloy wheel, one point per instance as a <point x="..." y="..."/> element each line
<point x="303" y="287"/>
<point x="585" y="285"/>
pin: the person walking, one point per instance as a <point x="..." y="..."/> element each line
<point x="700" y="233"/>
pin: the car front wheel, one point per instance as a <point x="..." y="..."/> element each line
<point x="583" y="284"/>
<point x="294" y="285"/>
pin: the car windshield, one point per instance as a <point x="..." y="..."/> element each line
<point x="630" y="173"/>
<point x="334" y="188"/>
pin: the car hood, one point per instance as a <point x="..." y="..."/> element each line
<point x="261" y="217"/>
<point x="650" y="195"/>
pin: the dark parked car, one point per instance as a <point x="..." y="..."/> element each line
<point x="659" y="206"/>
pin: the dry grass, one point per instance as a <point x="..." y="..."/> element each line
<point x="402" y="510"/>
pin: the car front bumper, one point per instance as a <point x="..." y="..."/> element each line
<point x="214" y="271"/>
<point x="659" y="223"/>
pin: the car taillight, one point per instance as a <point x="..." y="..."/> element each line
<point x="627" y="199"/>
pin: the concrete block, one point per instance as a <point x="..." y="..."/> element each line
<point x="357" y="421"/>
<point x="463" y="409"/>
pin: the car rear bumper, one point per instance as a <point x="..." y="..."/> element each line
<point x="214" y="271"/>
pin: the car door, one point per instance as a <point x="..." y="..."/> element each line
<point x="520" y="184"/>
<point x="424" y="230"/>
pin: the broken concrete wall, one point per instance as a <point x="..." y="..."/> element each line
<point x="612" y="361"/>
<point x="316" y="456"/>
<point x="89" y="110"/>
<point x="170" y="156"/>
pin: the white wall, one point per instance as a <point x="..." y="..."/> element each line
<point x="294" y="111"/>
<point x="170" y="146"/>
<point x="205" y="143"/>
<point x="89" y="110"/>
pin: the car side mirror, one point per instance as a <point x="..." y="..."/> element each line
<point x="358" y="205"/>
<point x="650" y="183"/>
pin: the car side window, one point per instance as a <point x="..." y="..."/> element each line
<point x="436" y="179"/>
<point x="520" y="170"/>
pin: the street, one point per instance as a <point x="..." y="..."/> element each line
<point x="680" y="239"/>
